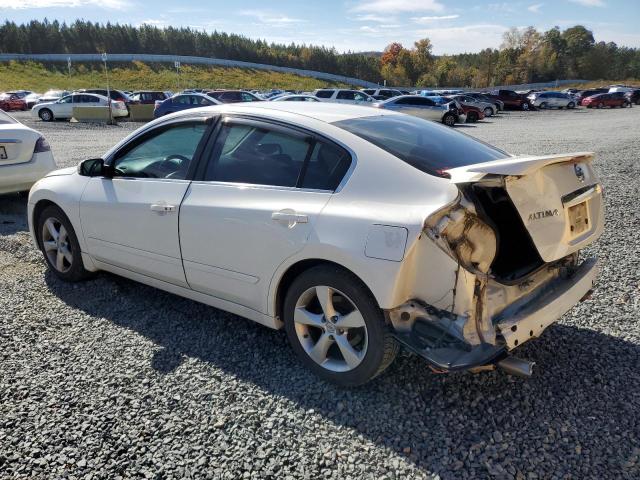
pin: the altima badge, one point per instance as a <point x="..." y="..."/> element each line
<point x="543" y="214"/>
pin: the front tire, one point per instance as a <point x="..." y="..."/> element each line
<point x="525" y="106"/>
<point x="472" y="117"/>
<point x="45" y="115"/>
<point x="336" y="328"/>
<point x="543" y="105"/>
<point x="488" y="112"/>
<point x="59" y="245"/>
<point x="571" y="105"/>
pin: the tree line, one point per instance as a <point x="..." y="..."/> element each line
<point x="526" y="55"/>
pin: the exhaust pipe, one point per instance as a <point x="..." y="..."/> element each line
<point x="517" y="366"/>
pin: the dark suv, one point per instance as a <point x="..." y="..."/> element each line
<point x="511" y="99"/>
<point x="233" y="96"/>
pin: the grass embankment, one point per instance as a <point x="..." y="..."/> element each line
<point x="39" y="77"/>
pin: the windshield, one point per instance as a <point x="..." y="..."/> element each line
<point x="440" y="100"/>
<point x="428" y="146"/>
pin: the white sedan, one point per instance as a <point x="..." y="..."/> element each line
<point x="357" y="230"/>
<point x="63" y="108"/>
<point x="25" y="155"/>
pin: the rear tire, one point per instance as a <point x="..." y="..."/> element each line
<point x="525" y="106"/>
<point x="449" y="119"/>
<point x="600" y="105"/>
<point x="626" y="104"/>
<point x="59" y="245"/>
<point x="45" y="115"/>
<point x="472" y="117"/>
<point x="488" y="112"/>
<point x="317" y="337"/>
<point x="543" y="105"/>
<point x="571" y="105"/>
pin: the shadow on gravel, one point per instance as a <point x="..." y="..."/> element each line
<point x="13" y="214"/>
<point x="577" y="417"/>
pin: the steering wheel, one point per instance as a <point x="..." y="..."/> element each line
<point x="175" y="156"/>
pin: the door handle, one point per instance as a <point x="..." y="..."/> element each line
<point x="289" y="217"/>
<point x="162" y="208"/>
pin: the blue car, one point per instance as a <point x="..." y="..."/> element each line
<point x="182" y="101"/>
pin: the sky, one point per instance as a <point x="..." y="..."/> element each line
<point x="454" y="26"/>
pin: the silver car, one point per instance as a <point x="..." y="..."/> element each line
<point x="551" y="100"/>
<point x="488" y="108"/>
<point x="438" y="109"/>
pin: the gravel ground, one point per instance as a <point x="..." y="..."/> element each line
<point x="110" y="379"/>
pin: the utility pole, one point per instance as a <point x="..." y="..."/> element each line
<point x="69" y="66"/>
<point x="106" y="71"/>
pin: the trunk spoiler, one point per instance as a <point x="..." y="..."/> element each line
<point x="513" y="166"/>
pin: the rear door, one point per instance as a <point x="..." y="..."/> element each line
<point x="253" y="205"/>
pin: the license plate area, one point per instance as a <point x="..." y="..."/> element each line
<point x="578" y="219"/>
<point x="3" y="153"/>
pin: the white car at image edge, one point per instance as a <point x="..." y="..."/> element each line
<point x="63" y="108"/>
<point x="25" y="155"/>
<point x="356" y="229"/>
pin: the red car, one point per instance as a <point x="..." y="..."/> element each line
<point x="11" y="101"/>
<point x="473" y="113"/>
<point x="601" y="100"/>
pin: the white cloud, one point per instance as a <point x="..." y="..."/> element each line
<point x="371" y="18"/>
<point x="434" y="19"/>
<point x="469" y="38"/>
<point x="154" y="22"/>
<point x="271" y="18"/>
<point x="589" y="3"/>
<point x="386" y="6"/>
<point x="31" y="4"/>
<point x="535" y="8"/>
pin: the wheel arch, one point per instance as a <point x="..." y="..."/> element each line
<point x="38" y="208"/>
<point x="299" y="267"/>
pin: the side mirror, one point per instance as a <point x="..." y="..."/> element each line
<point x="93" y="167"/>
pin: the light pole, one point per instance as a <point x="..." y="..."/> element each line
<point x="177" y="65"/>
<point x="69" y="66"/>
<point x="106" y="71"/>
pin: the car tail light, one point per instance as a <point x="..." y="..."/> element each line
<point x="120" y="105"/>
<point x="42" y="146"/>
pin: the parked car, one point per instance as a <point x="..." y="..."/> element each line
<point x="587" y="93"/>
<point x="510" y="99"/>
<point x="25" y="156"/>
<point x="234" y="96"/>
<point x="295" y="98"/>
<point x="342" y="95"/>
<point x="633" y="96"/>
<point x="31" y="99"/>
<point x="63" y="108"/>
<point x="11" y="101"/>
<point x="117" y="95"/>
<point x="488" y="108"/>
<point x="356" y="230"/>
<point x="551" y="100"/>
<point x="473" y="114"/>
<point x="182" y="101"/>
<point x="437" y="109"/>
<point x="602" y="100"/>
<point x="52" y="95"/>
<point x="146" y="97"/>
<point x="499" y="104"/>
<point x="381" y="93"/>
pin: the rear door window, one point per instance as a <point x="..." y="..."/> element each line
<point x="427" y="146"/>
<point x="346" y="95"/>
<point x="324" y="93"/>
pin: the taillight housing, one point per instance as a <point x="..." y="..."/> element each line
<point x="42" y="146"/>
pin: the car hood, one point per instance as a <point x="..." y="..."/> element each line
<point x="62" y="171"/>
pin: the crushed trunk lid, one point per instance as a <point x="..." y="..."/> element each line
<point x="558" y="197"/>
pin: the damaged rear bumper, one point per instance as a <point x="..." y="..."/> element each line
<point x="432" y="333"/>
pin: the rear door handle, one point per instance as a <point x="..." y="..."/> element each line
<point x="162" y="208"/>
<point x="289" y="218"/>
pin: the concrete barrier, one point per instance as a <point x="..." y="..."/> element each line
<point x="141" y="113"/>
<point x="91" y="114"/>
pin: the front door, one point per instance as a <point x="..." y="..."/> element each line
<point x="131" y="220"/>
<point x="254" y="206"/>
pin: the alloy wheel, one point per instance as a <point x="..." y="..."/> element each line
<point x="56" y="245"/>
<point x="330" y="329"/>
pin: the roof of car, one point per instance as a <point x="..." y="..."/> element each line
<point x="322" y="111"/>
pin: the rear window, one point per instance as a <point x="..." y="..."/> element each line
<point x="425" y="145"/>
